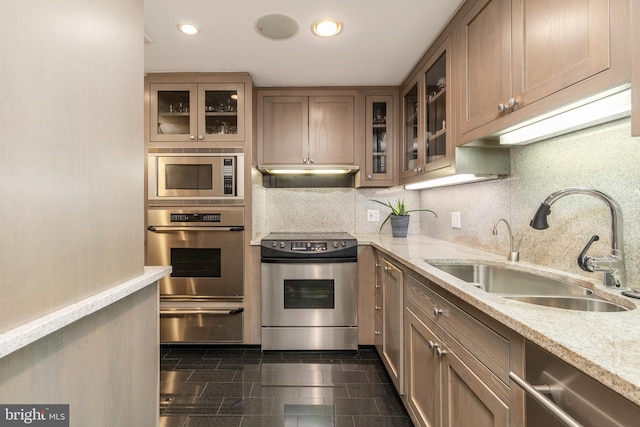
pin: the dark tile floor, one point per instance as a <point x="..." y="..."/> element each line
<point x="245" y="387"/>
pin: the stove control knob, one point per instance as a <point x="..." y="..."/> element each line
<point x="308" y="244"/>
<point x="344" y="244"/>
<point x="274" y="244"/>
<point x="282" y="245"/>
<point x="335" y="244"/>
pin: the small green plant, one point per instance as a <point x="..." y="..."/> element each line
<point x="399" y="209"/>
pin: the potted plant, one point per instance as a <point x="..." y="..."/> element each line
<point x="399" y="217"/>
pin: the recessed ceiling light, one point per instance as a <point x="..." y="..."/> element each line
<point x="276" y="26"/>
<point x="326" y="28"/>
<point x="187" y="28"/>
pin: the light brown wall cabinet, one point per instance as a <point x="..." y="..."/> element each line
<point x="428" y="145"/>
<point x="200" y="113"/>
<point x="377" y="164"/>
<point x="515" y="53"/>
<point x="389" y="319"/>
<point x="296" y="128"/>
<point x="456" y="367"/>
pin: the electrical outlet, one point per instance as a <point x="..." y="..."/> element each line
<point x="455" y="219"/>
<point x="373" y="215"/>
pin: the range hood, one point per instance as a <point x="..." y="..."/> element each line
<point x="307" y="169"/>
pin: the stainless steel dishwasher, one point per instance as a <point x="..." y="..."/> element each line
<point x="560" y="395"/>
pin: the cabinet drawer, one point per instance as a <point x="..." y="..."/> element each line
<point x="489" y="348"/>
<point x="486" y="345"/>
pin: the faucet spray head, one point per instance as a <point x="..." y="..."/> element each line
<point x="539" y="221"/>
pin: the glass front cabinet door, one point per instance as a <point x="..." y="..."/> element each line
<point x="411" y="152"/>
<point x="427" y="144"/>
<point x="198" y="113"/>
<point x="379" y="141"/>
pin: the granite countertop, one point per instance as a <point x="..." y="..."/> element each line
<point x="30" y="332"/>
<point x="605" y="345"/>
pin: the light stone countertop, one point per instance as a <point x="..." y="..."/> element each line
<point x="28" y="333"/>
<point x="606" y="346"/>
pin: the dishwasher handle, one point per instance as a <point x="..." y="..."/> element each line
<point x="534" y="392"/>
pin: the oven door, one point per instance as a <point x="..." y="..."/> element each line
<point x="206" y="261"/>
<point x="309" y="294"/>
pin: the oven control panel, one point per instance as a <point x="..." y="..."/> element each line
<point x="277" y="248"/>
<point x="195" y="217"/>
<point x="308" y="246"/>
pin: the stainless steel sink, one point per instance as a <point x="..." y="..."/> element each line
<point x="528" y="287"/>
<point x="571" y="303"/>
<point x="499" y="280"/>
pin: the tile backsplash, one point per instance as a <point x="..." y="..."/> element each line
<point x="604" y="157"/>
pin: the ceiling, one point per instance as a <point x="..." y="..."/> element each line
<point x="380" y="42"/>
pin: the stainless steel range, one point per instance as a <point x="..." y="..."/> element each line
<point x="309" y="291"/>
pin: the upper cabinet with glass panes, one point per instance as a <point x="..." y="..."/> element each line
<point x="378" y="166"/>
<point x="201" y="113"/>
<point x="427" y="144"/>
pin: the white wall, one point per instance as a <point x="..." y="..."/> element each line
<point x="71" y="201"/>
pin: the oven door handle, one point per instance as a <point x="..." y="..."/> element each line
<point x="168" y="229"/>
<point x="202" y="311"/>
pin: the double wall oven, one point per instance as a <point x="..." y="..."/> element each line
<point x="309" y="291"/>
<point x="201" y="301"/>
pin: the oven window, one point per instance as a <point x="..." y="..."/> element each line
<point x="196" y="262"/>
<point x="309" y="294"/>
<point x="188" y="177"/>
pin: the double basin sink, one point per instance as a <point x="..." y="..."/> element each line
<point x="528" y="287"/>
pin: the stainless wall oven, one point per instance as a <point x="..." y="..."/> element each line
<point x="201" y="301"/>
<point x="309" y="291"/>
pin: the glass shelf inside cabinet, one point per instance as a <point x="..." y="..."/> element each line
<point x="379" y="129"/>
<point x="221" y="112"/>
<point x="436" y="111"/>
<point x="174" y="112"/>
<point x="411" y="128"/>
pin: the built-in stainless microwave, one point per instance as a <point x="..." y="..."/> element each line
<point x="193" y="176"/>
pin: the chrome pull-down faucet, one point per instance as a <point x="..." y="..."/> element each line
<point x="612" y="265"/>
<point x="514" y="255"/>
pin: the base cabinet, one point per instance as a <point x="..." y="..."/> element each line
<point x="389" y="325"/>
<point x="467" y="401"/>
<point x="440" y="389"/>
<point x="423" y="370"/>
<point x="456" y="367"/>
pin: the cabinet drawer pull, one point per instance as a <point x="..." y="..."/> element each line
<point x="432" y="345"/>
<point x="440" y="352"/>
<point x="438" y="311"/>
<point x="378" y="308"/>
<point x="544" y="402"/>
<point x="192" y="137"/>
<point x="378" y="286"/>
<point x="377" y="333"/>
